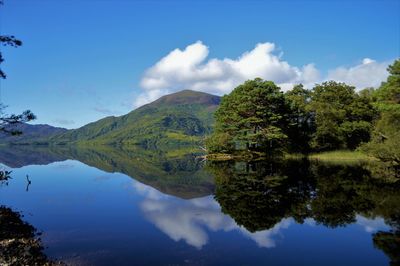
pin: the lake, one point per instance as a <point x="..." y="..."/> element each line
<point x="109" y="206"/>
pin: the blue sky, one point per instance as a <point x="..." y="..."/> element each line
<point x="83" y="60"/>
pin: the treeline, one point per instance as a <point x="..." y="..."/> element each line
<point x="258" y="116"/>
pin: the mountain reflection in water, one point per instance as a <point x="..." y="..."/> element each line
<point x="193" y="201"/>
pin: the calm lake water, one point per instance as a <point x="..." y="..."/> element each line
<point x="131" y="207"/>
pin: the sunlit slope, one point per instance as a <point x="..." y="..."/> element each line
<point x="181" y="118"/>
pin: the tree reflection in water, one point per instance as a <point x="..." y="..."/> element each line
<point x="258" y="195"/>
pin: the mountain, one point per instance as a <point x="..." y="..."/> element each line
<point x="180" y="118"/>
<point x="31" y="133"/>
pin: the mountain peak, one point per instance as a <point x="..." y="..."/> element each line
<point x="189" y="97"/>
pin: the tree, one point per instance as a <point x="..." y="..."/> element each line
<point x="254" y="116"/>
<point x="7" y="121"/>
<point x="7" y="40"/>
<point x="302" y="121"/>
<point x="343" y="118"/>
<point x="385" y="142"/>
<point x="220" y="142"/>
<point x="389" y="92"/>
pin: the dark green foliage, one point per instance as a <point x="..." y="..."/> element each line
<point x="220" y="142"/>
<point x="259" y="117"/>
<point x="190" y="125"/>
<point x="343" y="119"/>
<point x="302" y="121"/>
<point x="389" y="92"/>
<point x="254" y="116"/>
<point x="385" y="143"/>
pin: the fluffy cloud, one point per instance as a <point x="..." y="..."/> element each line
<point x="191" y="68"/>
<point x="367" y="74"/>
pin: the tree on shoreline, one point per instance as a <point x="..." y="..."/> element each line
<point x="385" y="143"/>
<point x="252" y="117"/>
<point x="343" y="118"/>
<point x="258" y="117"/>
<point x="302" y="120"/>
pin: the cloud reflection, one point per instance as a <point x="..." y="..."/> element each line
<point x="372" y="225"/>
<point x="190" y="220"/>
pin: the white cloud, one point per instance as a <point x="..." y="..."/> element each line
<point x="191" y="68"/>
<point x="367" y="74"/>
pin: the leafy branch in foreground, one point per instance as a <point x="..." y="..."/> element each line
<point x="7" y="40"/>
<point x="7" y="121"/>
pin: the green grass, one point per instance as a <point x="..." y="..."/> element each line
<point x="341" y="156"/>
<point x="238" y="155"/>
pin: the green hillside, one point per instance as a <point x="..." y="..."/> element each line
<point x="177" y="119"/>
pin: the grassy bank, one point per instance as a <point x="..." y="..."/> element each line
<point x="335" y="156"/>
<point x="330" y="156"/>
<point x="341" y="156"/>
<point x="240" y="156"/>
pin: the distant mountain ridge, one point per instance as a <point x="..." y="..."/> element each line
<point x="179" y="118"/>
<point x="31" y="133"/>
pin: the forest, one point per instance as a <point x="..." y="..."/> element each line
<point x="258" y="117"/>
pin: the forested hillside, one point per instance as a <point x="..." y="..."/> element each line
<point x="176" y="119"/>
